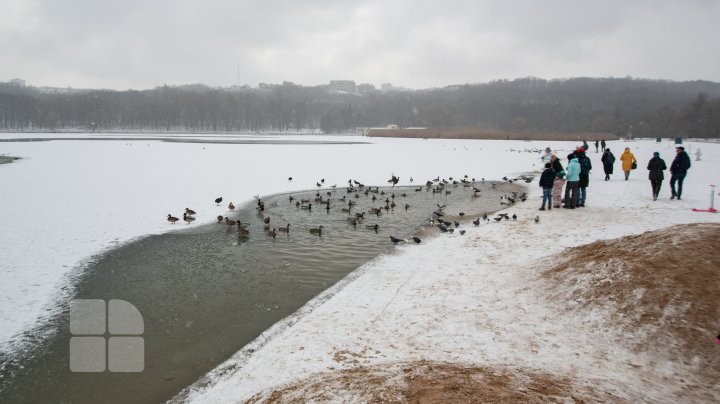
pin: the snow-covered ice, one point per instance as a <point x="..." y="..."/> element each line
<point x="66" y="201"/>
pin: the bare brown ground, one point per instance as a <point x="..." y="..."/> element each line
<point x="657" y="293"/>
<point x="432" y="382"/>
<point x="475" y="133"/>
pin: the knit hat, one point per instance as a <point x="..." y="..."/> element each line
<point x="656" y="154"/>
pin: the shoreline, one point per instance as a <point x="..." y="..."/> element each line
<point x="479" y="307"/>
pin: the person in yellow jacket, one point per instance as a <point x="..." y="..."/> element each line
<point x="628" y="160"/>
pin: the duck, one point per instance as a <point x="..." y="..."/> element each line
<point x="172" y="219"/>
<point x="187" y="218"/>
<point x="220" y="218"/>
<point x="395" y="240"/>
<point x="317" y="231"/>
<point x="231" y="206"/>
<point x="266" y="220"/>
<point x="230" y="222"/>
<point x="374" y="227"/>
<point x="189" y="211"/>
<point x="243" y="231"/>
<point x="476" y="222"/>
<point x="416" y="239"/>
<point x="537" y="219"/>
<point x="218" y="200"/>
<point x="272" y="233"/>
<point x="285" y="229"/>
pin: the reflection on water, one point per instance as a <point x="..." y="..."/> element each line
<point x="204" y="292"/>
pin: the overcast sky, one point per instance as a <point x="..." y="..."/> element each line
<point x="142" y="44"/>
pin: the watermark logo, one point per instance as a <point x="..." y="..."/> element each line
<point x="91" y="350"/>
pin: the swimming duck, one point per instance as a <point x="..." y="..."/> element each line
<point x="285" y="229"/>
<point x="230" y="222"/>
<point x="317" y="231"/>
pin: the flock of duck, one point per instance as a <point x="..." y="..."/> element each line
<point x="387" y="199"/>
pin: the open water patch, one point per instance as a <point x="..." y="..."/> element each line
<point x="205" y="291"/>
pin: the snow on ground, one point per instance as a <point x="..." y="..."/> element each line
<point x="66" y="201"/>
<point x="474" y="299"/>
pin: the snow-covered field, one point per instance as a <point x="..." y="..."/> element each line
<point x="474" y="299"/>
<point x="66" y="201"/>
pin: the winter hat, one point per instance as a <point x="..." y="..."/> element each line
<point x="548" y="165"/>
<point x="680" y="147"/>
<point x="656" y="154"/>
<point x="580" y="150"/>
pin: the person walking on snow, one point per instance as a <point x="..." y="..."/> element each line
<point x="656" y="166"/>
<point x="546" y="182"/>
<point x="678" y="171"/>
<point x="602" y="144"/>
<point x="698" y="154"/>
<point x="573" y="180"/>
<point x="558" y="182"/>
<point x="596" y="146"/>
<point x="608" y="160"/>
<point x="628" y="160"/>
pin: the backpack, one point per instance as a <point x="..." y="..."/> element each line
<point x="585" y="166"/>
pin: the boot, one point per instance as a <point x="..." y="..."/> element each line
<point x="654" y="197"/>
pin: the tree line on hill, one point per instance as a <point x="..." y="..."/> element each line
<point x="645" y="108"/>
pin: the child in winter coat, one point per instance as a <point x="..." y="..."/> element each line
<point x="546" y="182"/>
<point x="559" y="181"/>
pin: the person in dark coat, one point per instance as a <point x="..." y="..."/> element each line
<point x="546" y="182"/>
<point x="608" y="159"/>
<point x="585" y="167"/>
<point x="678" y="171"/>
<point x="656" y="166"/>
<point x="596" y="146"/>
<point x="602" y="144"/>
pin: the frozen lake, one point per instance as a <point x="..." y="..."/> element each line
<point x="66" y="201"/>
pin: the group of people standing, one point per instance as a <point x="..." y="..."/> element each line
<point x="576" y="177"/>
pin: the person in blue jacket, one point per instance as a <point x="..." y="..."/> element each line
<point x="572" y="173"/>
<point x="678" y="171"/>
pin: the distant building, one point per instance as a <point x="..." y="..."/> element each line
<point x="343" y="85"/>
<point x="17" y="82"/>
<point x="366" y="88"/>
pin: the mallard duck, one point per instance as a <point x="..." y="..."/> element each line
<point x="317" y="231"/>
<point x="189" y="211"/>
<point x="172" y="219"/>
<point x="187" y="218"/>
<point x="272" y="233"/>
